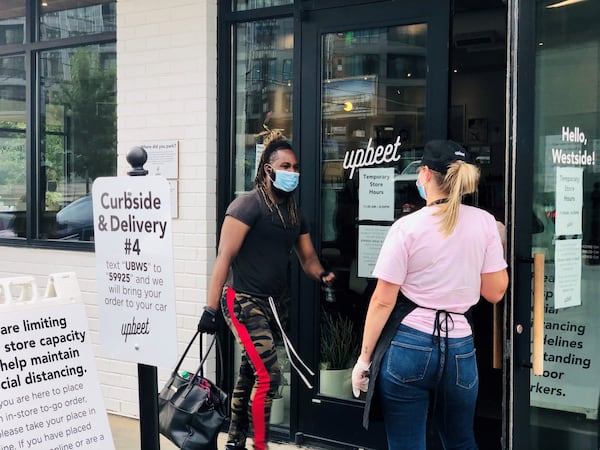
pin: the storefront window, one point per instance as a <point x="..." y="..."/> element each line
<point x="76" y="18"/>
<point x="12" y="23"/>
<point x="243" y="5"/>
<point x="12" y="146"/>
<point x="46" y="171"/>
<point x="78" y="140"/>
<point x="263" y="91"/>
<point x="263" y="106"/>
<point x="564" y="397"/>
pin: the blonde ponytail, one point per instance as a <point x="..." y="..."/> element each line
<point x="461" y="179"/>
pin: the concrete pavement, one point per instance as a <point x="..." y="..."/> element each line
<point x="126" y="435"/>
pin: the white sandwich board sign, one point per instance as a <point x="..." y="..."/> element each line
<point x="50" y="396"/>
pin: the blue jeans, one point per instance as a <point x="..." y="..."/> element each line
<point x="419" y="368"/>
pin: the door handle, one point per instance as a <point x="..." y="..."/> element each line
<point x="538" y="314"/>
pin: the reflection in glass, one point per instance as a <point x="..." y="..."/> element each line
<point x="244" y="5"/>
<point x="78" y="136"/>
<point x="564" y="401"/>
<point x="12" y="23"/>
<point x="373" y="97"/>
<point x="13" y="124"/>
<point x="263" y="91"/>
<point x="263" y="73"/>
<point x="72" y="18"/>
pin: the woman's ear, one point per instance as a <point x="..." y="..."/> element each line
<point x="426" y="174"/>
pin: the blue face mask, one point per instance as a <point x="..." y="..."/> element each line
<point x="421" y="190"/>
<point x="286" y="181"/>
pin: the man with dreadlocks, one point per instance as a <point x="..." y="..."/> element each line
<point x="250" y="277"/>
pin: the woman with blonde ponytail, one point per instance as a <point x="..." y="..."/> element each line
<point x="417" y="360"/>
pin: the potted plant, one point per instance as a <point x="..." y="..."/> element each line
<point x="278" y="402"/>
<point x="282" y="397"/>
<point x="339" y="345"/>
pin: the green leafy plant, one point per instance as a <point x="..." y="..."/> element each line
<point x="284" y="366"/>
<point x="282" y="384"/>
<point x="87" y="101"/>
<point x="339" y="342"/>
<point x="53" y="200"/>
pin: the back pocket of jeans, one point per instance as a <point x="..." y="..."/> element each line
<point x="408" y="363"/>
<point x="466" y="370"/>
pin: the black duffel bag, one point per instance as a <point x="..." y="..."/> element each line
<point x="191" y="410"/>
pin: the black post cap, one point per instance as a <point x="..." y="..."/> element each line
<point x="137" y="157"/>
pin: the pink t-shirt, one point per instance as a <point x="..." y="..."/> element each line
<point x="438" y="272"/>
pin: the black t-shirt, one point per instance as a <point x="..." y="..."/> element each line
<point x="260" y="267"/>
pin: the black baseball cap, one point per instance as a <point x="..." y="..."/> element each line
<point x="439" y="154"/>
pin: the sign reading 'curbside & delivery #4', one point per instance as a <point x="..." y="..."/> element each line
<point x="134" y="269"/>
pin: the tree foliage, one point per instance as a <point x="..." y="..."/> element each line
<point x="12" y="154"/>
<point x="89" y="101"/>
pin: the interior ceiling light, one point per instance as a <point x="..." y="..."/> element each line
<point x="564" y="3"/>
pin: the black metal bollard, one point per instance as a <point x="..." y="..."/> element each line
<point x="147" y="375"/>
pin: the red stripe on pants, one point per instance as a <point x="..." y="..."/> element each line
<point x="262" y="376"/>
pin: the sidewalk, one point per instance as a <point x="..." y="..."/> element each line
<point x="126" y="435"/>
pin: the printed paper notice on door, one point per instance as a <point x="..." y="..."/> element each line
<point x="569" y="200"/>
<point x="571" y="351"/>
<point x="370" y="240"/>
<point x="376" y="194"/>
<point x="567" y="289"/>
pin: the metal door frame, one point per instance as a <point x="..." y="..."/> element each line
<point x="520" y="141"/>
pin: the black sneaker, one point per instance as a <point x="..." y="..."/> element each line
<point x="234" y="446"/>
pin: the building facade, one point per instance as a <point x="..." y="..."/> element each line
<point x="358" y="87"/>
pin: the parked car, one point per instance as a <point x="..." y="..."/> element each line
<point x="407" y="198"/>
<point x="7" y="225"/>
<point x="409" y="172"/>
<point x="76" y="221"/>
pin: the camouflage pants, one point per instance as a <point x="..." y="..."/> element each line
<point x="251" y="322"/>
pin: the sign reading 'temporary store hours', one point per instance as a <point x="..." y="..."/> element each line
<point x="134" y="268"/>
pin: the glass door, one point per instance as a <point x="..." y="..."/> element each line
<point x="373" y="113"/>
<point x="374" y="90"/>
<point x="557" y="390"/>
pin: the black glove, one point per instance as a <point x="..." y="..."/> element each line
<point x="208" y="321"/>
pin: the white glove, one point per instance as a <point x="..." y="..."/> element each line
<point x="360" y="377"/>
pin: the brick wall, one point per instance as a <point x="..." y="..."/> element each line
<point x="166" y="90"/>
